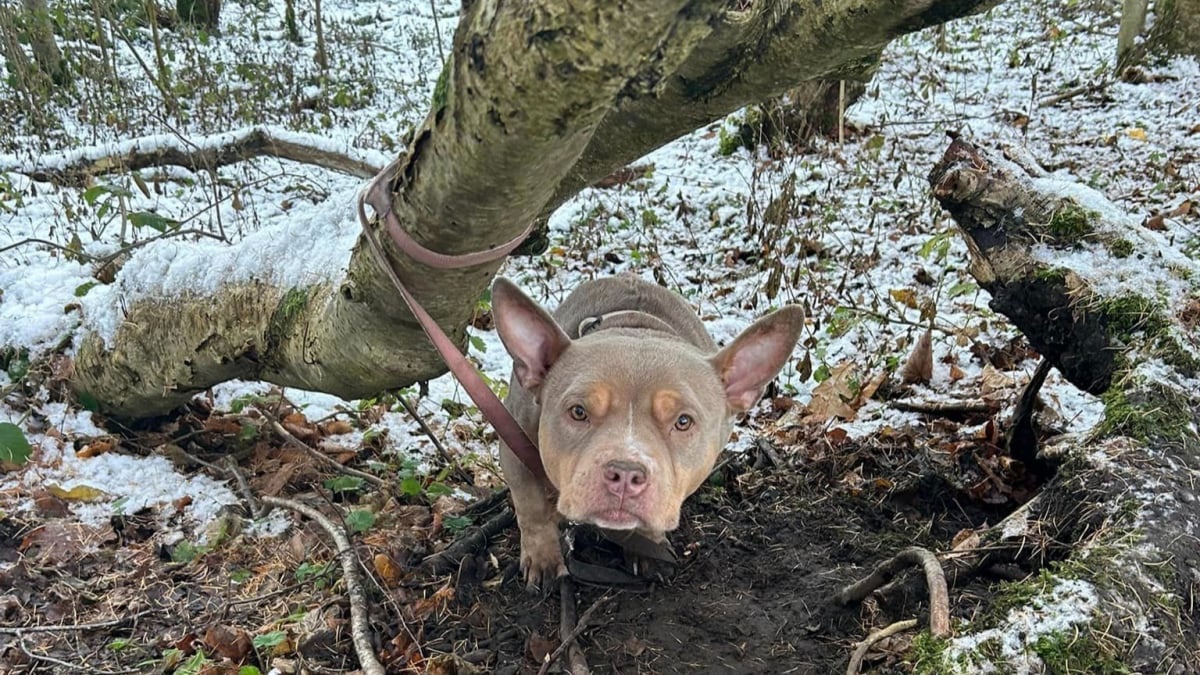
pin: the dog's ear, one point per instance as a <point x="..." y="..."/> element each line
<point x="528" y="332"/>
<point x="753" y="359"/>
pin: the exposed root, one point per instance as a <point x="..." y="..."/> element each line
<point x="935" y="580"/>
<point x="477" y="539"/>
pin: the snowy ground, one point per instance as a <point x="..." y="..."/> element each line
<point x="865" y="250"/>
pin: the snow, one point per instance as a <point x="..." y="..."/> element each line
<point x="1068" y="603"/>
<point x="864" y="205"/>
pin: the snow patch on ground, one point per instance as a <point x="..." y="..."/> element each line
<point x="1057" y="611"/>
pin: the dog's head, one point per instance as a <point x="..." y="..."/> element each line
<point x="631" y="420"/>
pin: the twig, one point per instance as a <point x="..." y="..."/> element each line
<point x="437" y="443"/>
<point x="320" y="456"/>
<point x="21" y="630"/>
<point x="941" y="407"/>
<point x="571" y="629"/>
<point x="44" y="242"/>
<point x="360" y="628"/>
<point x="65" y="664"/>
<point x="1073" y="92"/>
<point x="935" y="580"/>
<point x="448" y="558"/>
<point x="231" y="468"/>
<point x="860" y="652"/>
<point x="150" y="240"/>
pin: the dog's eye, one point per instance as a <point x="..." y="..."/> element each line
<point x="684" y="422"/>
<point x="579" y="413"/>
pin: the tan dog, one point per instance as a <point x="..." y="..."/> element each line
<point x="630" y="403"/>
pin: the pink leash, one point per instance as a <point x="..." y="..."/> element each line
<point x="378" y="195"/>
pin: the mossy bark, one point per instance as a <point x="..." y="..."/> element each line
<point x="1118" y="510"/>
<point x="1178" y="26"/>
<point x="539" y="100"/>
<point x="752" y="55"/>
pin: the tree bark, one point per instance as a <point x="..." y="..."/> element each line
<point x="538" y="100"/>
<point x="46" y="53"/>
<point x="1065" y="265"/>
<point x="1178" y="25"/>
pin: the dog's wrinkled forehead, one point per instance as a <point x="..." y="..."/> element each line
<point x="627" y="365"/>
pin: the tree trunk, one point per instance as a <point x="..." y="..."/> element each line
<point x="1178" y="26"/>
<point x="46" y="53"/>
<point x="537" y="101"/>
<point x="1075" y="273"/>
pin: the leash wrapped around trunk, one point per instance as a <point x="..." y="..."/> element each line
<point x="378" y="195"/>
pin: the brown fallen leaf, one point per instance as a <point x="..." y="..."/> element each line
<point x="98" y="446"/>
<point x="919" y="367"/>
<point x="1156" y="222"/>
<point x="904" y="296"/>
<point x="50" y="505"/>
<point x="540" y="647"/>
<point x="996" y="387"/>
<point x="230" y="642"/>
<point x="389" y="572"/>
<point x="336" y="427"/>
<point x="832" y="397"/>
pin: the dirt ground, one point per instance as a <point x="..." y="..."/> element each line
<point x="763" y="547"/>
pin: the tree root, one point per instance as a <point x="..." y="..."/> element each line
<point x="447" y="559"/>
<point x="935" y="579"/>
<point x="360" y="628"/>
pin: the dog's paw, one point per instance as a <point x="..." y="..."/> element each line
<point x="541" y="557"/>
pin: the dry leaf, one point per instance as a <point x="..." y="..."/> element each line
<point x="996" y="387"/>
<point x="49" y="505"/>
<point x="956" y="373"/>
<point x="966" y="540"/>
<point x="919" y="367"/>
<point x="98" y="446"/>
<point x="904" y="296"/>
<point x="388" y="570"/>
<point x="230" y="642"/>
<point x="79" y="493"/>
<point x="832" y="397"/>
<point x="1136" y="134"/>
<point x="1155" y="222"/>
<point x="336" y="427"/>
<point x="1182" y="210"/>
<point x="540" y="647"/>
<point x="868" y="390"/>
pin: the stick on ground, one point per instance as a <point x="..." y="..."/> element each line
<point x="360" y="628"/>
<point x="860" y="652"/>
<point x="571" y="629"/>
<point x="320" y="456"/>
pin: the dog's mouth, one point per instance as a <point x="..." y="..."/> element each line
<point x="615" y="519"/>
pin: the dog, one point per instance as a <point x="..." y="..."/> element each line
<point x="630" y="402"/>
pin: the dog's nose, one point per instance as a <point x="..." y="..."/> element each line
<point x="626" y="479"/>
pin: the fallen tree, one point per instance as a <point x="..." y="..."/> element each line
<point x="551" y="97"/>
<point x="1115" y="308"/>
